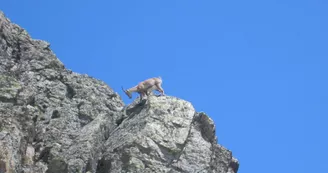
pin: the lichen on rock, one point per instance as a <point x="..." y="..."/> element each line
<point x="9" y="88"/>
<point x="55" y="120"/>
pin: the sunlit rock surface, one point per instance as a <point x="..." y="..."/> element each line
<point x="53" y="120"/>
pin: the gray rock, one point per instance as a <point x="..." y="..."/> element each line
<point x="54" y="120"/>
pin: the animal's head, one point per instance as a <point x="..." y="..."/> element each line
<point x="159" y="79"/>
<point x="127" y="93"/>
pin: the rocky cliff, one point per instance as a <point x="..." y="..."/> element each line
<point x="53" y="120"/>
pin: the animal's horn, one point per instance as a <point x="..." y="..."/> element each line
<point x="126" y="92"/>
<point x="123" y="89"/>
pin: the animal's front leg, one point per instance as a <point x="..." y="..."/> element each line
<point x="160" y="89"/>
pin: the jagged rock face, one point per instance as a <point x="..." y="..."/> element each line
<point x="53" y="120"/>
<point x="164" y="135"/>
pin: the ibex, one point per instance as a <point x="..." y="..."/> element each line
<point x="145" y="87"/>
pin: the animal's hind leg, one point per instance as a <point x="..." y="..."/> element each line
<point x="142" y="96"/>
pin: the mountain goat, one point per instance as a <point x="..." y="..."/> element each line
<point x="145" y="87"/>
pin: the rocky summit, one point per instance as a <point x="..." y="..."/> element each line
<point x="53" y="120"/>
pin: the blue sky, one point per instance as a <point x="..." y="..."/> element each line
<point x="257" y="68"/>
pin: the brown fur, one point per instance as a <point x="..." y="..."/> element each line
<point x="145" y="87"/>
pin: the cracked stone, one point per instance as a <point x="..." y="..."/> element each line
<point x="55" y="120"/>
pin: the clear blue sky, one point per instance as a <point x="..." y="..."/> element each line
<point x="257" y="67"/>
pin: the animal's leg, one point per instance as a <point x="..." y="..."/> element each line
<point x="160" y="89"/>
<point x="142" y="95"/>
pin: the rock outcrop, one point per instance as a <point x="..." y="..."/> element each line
<point x="53" y="120"/>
